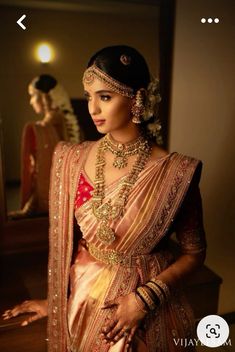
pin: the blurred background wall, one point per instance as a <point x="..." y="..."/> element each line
<point x="203" y="122"/>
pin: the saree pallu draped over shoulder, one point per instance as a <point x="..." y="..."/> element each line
<point x="100" y="272"/>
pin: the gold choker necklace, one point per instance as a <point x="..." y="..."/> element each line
<point x="106" y="212"/>
<point x="122" y="150"/>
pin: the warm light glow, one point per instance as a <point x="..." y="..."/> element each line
<point x="44" y="52"/>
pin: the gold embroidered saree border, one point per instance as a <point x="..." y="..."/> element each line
<point x="172" y="194"/>
<point x="62" y="195"/>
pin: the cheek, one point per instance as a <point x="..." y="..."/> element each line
<point x="122" y="112"/>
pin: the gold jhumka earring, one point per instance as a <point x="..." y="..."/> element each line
<point x="138" y="107"/>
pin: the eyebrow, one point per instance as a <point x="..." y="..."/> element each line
<point x="100" y="91"/>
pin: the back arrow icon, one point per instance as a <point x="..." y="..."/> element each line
<point x="19" y="22"/>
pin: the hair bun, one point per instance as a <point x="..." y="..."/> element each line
<point x="44" y="83"/>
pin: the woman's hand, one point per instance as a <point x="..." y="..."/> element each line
<point x="125" y="320"/>
<point x="39" y="307"/>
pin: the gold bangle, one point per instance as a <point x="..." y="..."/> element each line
<point x="139" y="303"/>
<point x="164" y="288"/>
<point x="157" y="291"/>
<point x="147" y="298"/>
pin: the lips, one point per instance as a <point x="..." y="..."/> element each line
<point x="98" y="122"/>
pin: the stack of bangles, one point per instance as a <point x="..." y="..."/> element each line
<point x="153" y="294"/>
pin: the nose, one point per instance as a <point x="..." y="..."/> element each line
<point x="93" y="107"/>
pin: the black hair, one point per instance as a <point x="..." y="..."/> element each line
<point x="44" y="83"/>
<point x="123" y="63"/>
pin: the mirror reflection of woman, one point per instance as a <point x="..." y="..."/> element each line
<point x="49" y="99"/>
<point x="119" y="289"/>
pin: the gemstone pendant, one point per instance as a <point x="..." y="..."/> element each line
<point x="103" y="211"/>
<point x="120" y="162"/>
<point x="105" y="234"/>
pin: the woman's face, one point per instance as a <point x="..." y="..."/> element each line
<point x="109" y="111"/>
<point x="35" y="100"/>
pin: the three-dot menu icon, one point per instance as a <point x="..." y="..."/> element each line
<point x="209" y="20"/>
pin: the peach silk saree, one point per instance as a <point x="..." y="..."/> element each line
<point x="165" y="198"/>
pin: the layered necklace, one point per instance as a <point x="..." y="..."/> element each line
<point x="108" y="211"/>
<point x="122" y="151"/>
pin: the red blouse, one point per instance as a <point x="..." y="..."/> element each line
<point x="83" y="192"/>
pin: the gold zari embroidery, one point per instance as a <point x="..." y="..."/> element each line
<point x="110" y="256"/>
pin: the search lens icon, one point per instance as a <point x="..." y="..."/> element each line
<point x="212" y="331"/>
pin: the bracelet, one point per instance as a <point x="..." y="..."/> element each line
<point x="154" y="292"/>
<point x="146" y="297"/>
<point x="157" y="291"/>
<point x="142" y="309"/>
<point x="142" y="299"/>
<point x="163" y="287"/>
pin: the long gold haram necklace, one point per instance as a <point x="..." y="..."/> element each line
<point x="106" y="212"/>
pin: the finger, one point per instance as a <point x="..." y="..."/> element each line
<point x="118" y="329"/>
<point x="31" y="319"/>
<point x="16" y="310"/>
<point x="130" y="338"/>
<point x="25" y="307"/>
<point x="109" y="304"/>
<point x="11" y="313"/>
<point x="6" y="314"/>
<point x="106" y="329"/>
<point x="120" y="334"/>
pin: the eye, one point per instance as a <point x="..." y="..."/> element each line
<point x="105" y="97"/>
<point x="87" y="96"/>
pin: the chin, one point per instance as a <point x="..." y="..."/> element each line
<point x="102" y="129"/>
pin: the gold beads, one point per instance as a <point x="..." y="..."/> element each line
<point x="106" y="212"/>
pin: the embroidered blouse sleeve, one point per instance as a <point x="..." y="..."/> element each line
<point x="189" y="222"/>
